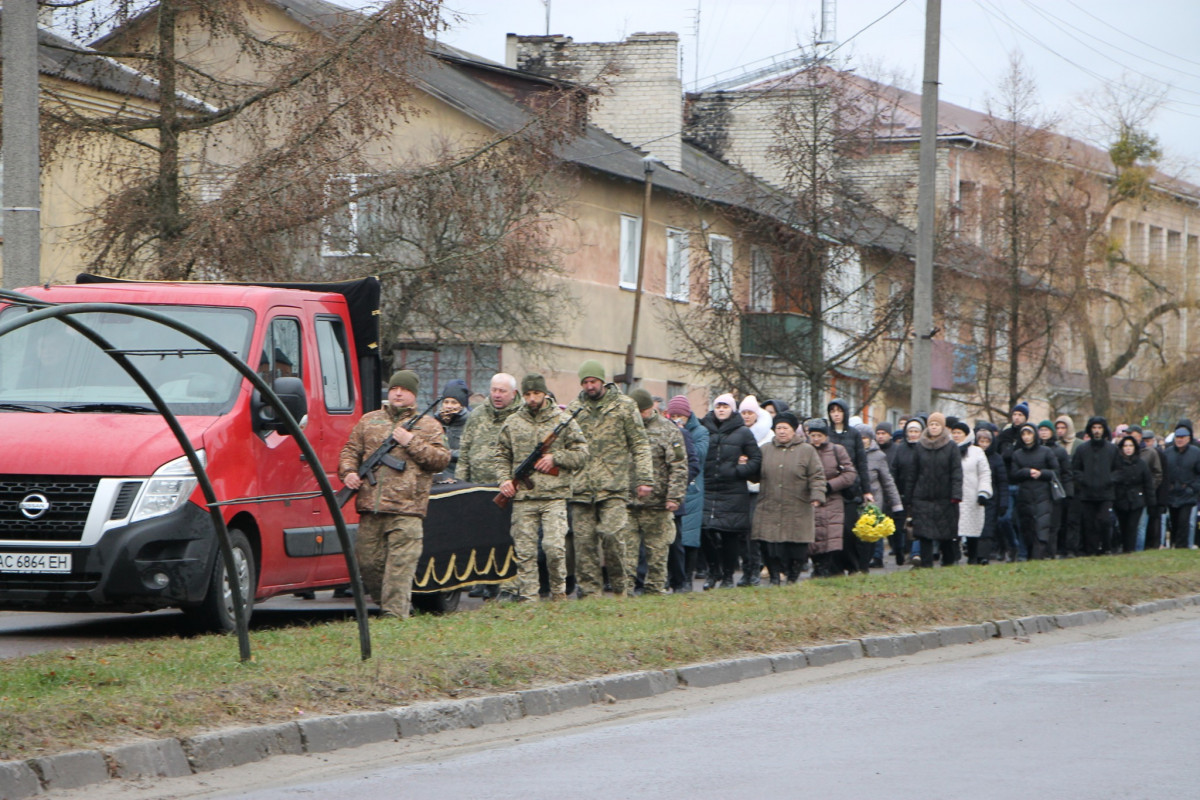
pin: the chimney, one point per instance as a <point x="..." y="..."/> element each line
<point x="639" y="91"/>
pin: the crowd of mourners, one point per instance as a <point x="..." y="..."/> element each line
<point x="761" y="488"/>
<point x="953" y="490"/>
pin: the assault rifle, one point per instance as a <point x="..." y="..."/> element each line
<point x="523" y="475"/>
<point x="380" y="457"/>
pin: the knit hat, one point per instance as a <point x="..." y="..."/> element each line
<point x="937" y="417"/>
<point x="1023" y="407"/>
<point x="725" y="399"/>
<point x="679" y="406"/>
<point x="883" y="426"/>
<point x="817" y="425"/>
<point x="915" y="421"/>
<point x="788" y="418"/>
<point x="406" y="379"/>
<point x="750" y="403"/>
<point x="643" y="398"/>
<point x="591" y="369"/>
<point x="533" y="382"/>
<point x="457" y="390"/>
<point x="959" y="425"/>
<point x="1047" y="424"/>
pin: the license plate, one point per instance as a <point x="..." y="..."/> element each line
<point x="35" y="562"/>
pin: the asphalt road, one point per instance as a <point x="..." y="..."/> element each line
<point x="1108" y="711"/>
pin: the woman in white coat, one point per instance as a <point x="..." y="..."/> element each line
<point x="976" y="488"/>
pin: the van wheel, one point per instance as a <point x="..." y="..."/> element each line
<point x="215" y="614"/>
<point x="437" y="602"/>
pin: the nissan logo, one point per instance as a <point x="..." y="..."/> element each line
<point x="34" y="506"/>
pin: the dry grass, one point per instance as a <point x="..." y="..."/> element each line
<point x="177" y="687"/>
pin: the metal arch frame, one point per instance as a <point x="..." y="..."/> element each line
<point x="65" y="313"/>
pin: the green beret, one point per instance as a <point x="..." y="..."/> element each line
<point x="406" y="379"/>
<point x="591" y="369"/>
<point x="643" y="398"/>
<point x="534" y="382"/>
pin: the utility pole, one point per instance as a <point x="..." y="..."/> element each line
<point x="21" y="213"/>
<point x="923" y="330"/>
<point x="631" y="352"/>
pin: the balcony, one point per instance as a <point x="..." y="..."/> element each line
<point x="777" y="335"/>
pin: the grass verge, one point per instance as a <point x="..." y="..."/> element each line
<point x="58" y="701"/>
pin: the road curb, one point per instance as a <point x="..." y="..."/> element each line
<point x="168" y="758"/>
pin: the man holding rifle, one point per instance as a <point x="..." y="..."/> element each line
<point x="392" y="511"/>
<point x="561" y="450"/>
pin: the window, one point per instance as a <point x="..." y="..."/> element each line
<point x="631" y="238"/>
<point x="356" y="222"/>
<point x="762" y="281"/>
<point x="281" y="356"/>
<point x="436" y="364"/>
<point x="335" y="365"/>
<point x="678" y="265"/>
<point x="720" y="272"/>
<point x="675" y="388"/>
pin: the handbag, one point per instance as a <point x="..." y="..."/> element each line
<point x="1056" y="489"/>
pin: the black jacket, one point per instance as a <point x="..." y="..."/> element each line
<point x="935" y="486"/>
<point x="1035" y="504"/>
<point x="1181" y="475"/>
<point x="1093" y="463"/>
<point x="726" y="496"/>
<point x="1133" y="484"/>
<point x="902" y="459"/>
<point x="850" y="439"/>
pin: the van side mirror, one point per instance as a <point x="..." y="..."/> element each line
<point x="291" y="392"/>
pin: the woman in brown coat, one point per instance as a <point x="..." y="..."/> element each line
<point x="791" y="487"/>
<point x="840" y="475"/>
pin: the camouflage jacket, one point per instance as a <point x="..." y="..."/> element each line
<point x="395" y="491"/>
<point x="477" y="448"/>
<point x="669" y="455"/>
<point x="618" y="448"/>
<point x="524" y="431"/>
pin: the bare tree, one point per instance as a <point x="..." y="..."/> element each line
<point x="815" y="301"/>
<point x="283" y="156"/>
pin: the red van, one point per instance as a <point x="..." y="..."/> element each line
<point x="100" y="511"/>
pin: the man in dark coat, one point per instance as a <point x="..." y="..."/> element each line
<point x="855" y="553"/>
<point x="1181" y="479"/>
<point x="1093" y="463"/>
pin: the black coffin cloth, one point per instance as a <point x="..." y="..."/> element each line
<point x="467" y="539"/>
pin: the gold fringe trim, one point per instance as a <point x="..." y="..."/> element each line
<point x="464" y="578"/>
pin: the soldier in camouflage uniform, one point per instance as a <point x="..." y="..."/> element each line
<point x="545" y="505"/>
<point x="652" y="518"/>
<point x="392" y="512"/>
<point x="477" y="448"/>
<point x="618" y="456"/>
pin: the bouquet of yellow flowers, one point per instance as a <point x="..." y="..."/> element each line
<point x="873" y="524"/>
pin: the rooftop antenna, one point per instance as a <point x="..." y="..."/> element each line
<point x="696" y="55"/>
<point x="546" y="3"/>
<point x="828" y="37"/>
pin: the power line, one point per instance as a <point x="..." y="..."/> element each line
<point x="1107" y="24"/>
<point x="985" y="6"/>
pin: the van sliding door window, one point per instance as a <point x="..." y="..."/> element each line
<point x="281" y="355"/>
<point x="335" y="365"/>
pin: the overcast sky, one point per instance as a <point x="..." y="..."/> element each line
<point x="1071" y="47"/>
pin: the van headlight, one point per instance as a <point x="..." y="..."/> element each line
<point x="168" y="489"/>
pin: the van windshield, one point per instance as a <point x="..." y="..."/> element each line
<point x="47" y="366"/>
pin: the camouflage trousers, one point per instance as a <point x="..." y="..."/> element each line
<point x="527" y="517"/>
<point x="598" y="534"/>
<point x="654" y="529"/>
<point x="387" y="547"/>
